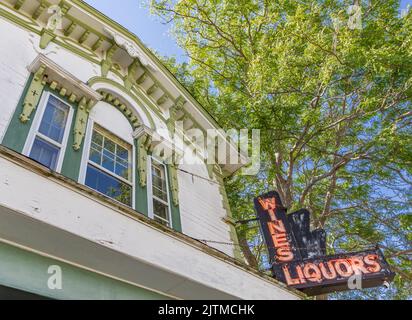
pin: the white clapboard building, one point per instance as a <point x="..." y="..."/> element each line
<point x="90" y="205"/>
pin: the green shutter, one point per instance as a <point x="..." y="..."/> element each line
<point x="140" y="191"/>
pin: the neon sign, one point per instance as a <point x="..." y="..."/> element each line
<point x="298" y="255"/>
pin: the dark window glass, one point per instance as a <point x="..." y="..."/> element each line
<point x="54" y="119"/>
<point x="45" y="153"/>
<point x="108" y="185"/>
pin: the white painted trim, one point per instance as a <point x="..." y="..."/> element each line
<point x="150" y="188"/>
<point x="34" y="130"/>
<point x="138" y="108"/>
<point x="41" y="59"/>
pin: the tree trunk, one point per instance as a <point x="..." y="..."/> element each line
<point x="249" y="256"/>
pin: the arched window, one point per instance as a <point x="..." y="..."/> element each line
<point x="108" y="164"/>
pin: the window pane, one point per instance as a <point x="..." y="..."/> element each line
<point x="54" y="119"/>
<point x="159" y="188"/>
<point x="97" y="138"/>
<point x="109" y="145"/>
<point x="159" y="194"/>
<point x="95" y="154"/>
<point x="108" y="160"/>
<point x="106" y="152"/>
<point x="122" y="170"/>
<point x="160" y="210"/>
<point x="159" y="182"/>
<point x="108" y="185"/>
<point x="122" y="153"/>
<point x="45" y="153"/>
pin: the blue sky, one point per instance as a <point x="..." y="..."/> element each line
<point x="135" y="17"/>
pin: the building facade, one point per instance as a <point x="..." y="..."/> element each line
<point x="91" y="207"/>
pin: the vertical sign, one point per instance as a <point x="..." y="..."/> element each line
<point x="298" y="255"/>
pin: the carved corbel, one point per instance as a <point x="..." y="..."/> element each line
<point x="162" y="99"/>
<point x="80" y="123"/>
<point x="131" y="75"/>
<point x="37" y="13"/>
<point x="53" y="22"/>
<point x="46" y="36"/>
<point x="144" y="140"/>
<point x="174" y="184"/>
<point x="178" y="106"/>
<point x="70" y="29"/>
<point x="152" y="89"/>
<point x="33" y="94"/>
<point x="108" y="62"/>
<point x="19" y="4"/>
<point x="97" y="44"/>
<point x="84" y="37"/>
<point x="142" y="78"/>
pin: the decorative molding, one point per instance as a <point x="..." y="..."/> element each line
<point x="173" y="111"/>
<point x="152" y="88"/>
<point x="79" y="131"/>
<point x="128" y="112"/>
<point x="143" y="135"/>
<point x="84" y="37"/>
<point x="162" y="99"/>
<point x="37" y="13"/>
<point x="65" y="7"/>
<point x="33" y="94"/>
<point x="46" y="36"/>
<point x="132" y="49"/>
<point x="19" y="4"/>
<point x="108" y="62"/>
<point x="46" y="71"/>
<point x="57" y="76"/>
<point x="137" y="97"/>
<point x="142" y="78"/>
<point x="131" y="75"/>
<point x="98" y="44"/>
<point x="58" y="11"/>
<point x="174" y="184"/>
<point x="149" y="141"/>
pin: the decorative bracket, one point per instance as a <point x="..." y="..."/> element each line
<point x="80" y="123"/>
<point x="131" y="75"/>
<point x="178" y="106"/>
<point x="144" y="139"/>
<point x="33" y="94"/>
<point x="132" y="49"/>
<point x="174" y="184"/>
<point x="108" y="62"/>
<point x="58" y="11"/>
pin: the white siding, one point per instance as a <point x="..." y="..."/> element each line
<point x="201" y="208"/>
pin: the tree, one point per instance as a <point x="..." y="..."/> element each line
<point x="328" y="83"/>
